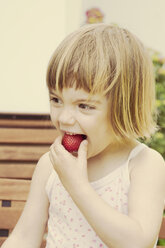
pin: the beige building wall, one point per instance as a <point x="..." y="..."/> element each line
<point x="145" y="18"/>
<point x="30" y="31"/>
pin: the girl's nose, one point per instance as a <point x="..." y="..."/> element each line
<point x="66" y="117"/>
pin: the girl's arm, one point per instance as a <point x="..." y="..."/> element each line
<point x="146" y="198"/>
<point x="29" y="230"/>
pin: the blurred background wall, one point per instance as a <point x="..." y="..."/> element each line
<point x="30" y="30"/>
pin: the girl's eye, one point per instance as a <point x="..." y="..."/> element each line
<point x="86" y="107"/>
<point x="55" y="100"/>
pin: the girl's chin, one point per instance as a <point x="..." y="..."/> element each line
<point x="91" y="154"/>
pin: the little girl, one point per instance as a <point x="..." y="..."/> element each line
<point x="98" y="186"/>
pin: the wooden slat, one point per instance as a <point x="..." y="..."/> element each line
<point x="28" y="136"/>
<point x="162" y="230"/>
<point x="15" y="204"/>
<point x="16" y="170"/>
<point x="13" y="189"/>
<point x="9" y="217"/>
<point x="22" y="153"/>
<point x="26" y="123"/>
<point x="2" y="239"/>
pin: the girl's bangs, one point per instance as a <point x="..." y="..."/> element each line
<point x="77" y="71"/>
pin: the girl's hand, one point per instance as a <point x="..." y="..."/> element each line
<point x="71" y="170"/>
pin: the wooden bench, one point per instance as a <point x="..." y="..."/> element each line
<point x="23" y="139"/>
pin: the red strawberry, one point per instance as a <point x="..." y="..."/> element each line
<point x="72" y="142"/>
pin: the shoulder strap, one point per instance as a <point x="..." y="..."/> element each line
<point x="136" y="150"/>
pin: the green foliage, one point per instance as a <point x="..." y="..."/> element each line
<point x="157" y="142"/>
<point x="161" y="242"/>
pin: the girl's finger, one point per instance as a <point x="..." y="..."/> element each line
<point x="51" y="157"/>
<point x="59" y="151"/>
<point x="58" y="140"/>
<point x="82" y="152"/>
<point x="58" y="144"/>
<point x="52" y="153"/>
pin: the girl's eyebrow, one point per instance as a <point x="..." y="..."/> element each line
<point x="88" y="100"/>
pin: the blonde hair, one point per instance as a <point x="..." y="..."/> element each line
<point x="107" y="59"/>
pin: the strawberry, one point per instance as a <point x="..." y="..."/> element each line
<point x="72" y="142"/>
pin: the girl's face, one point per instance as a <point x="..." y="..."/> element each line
<point x="71" y="112"/>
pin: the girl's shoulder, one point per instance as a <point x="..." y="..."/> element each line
<point x="149" y="156"/>
<point x="148" y="161"/>
<point x="147" y="190"/>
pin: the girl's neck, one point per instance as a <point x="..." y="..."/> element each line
<point x="110" y="159"/>
<point x="115" y="148"/>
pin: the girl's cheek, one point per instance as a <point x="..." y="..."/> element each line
<point x="54" y="114"/>
<point x="91" y="149"/>
<point x="54" y="120"/>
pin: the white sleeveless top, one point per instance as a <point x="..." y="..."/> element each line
<point x="67" y="227"/>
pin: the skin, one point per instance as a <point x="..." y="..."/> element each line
<point x="93" y="161"/>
